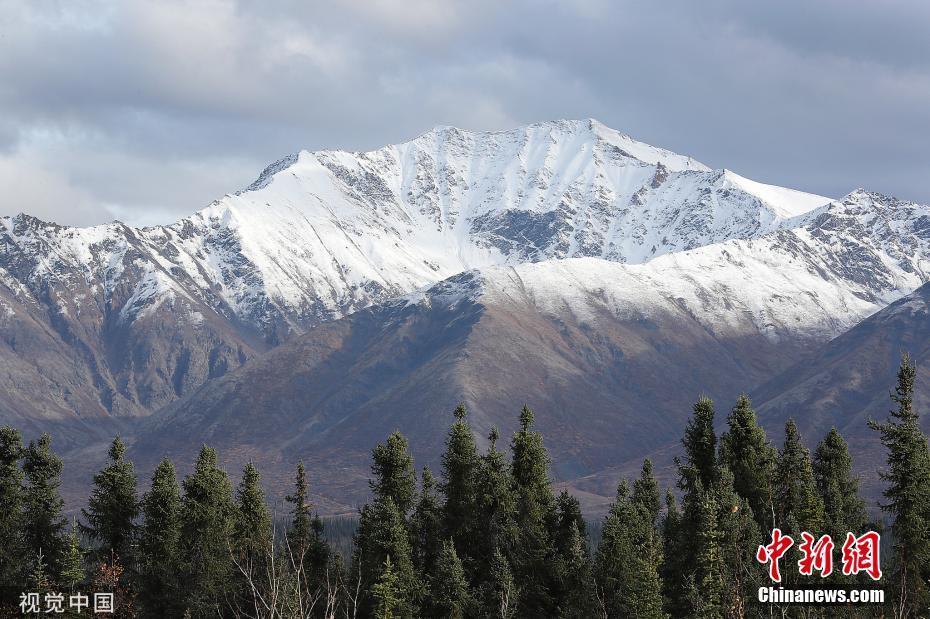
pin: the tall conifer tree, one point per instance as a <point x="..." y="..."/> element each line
<point x="459" y="472"/>
<point x="532" y="562"/>
<point x="112" y="508"/>
<point x="798" y="506"/>
<point x="844" y="509"/>
<point x="746" y="451"/>
<point x="44" y="521"/>
<point x="12" y="551"/>
<point x="159" y="545"/>
<point x="907" y="495"/>
<point x="207" y="517"/>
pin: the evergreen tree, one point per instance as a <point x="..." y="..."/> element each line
<point x="301" y="527"/>
<point x="459" y="472"/>
<point x="798" y="506"/>
<point x="532" y="557"/>
<point x="844" y="510"/>
<point x="44" y="522"/>
<point x="707" y="594"/>
<point x="382" y="533"/>
<point x="497" y="508"/>
<point x="450" y="595"/>
<point x="908" y="495"/>
<point x="72" y="573"/>
<point x="159" y="545"/>
<point x="426" y="527"/>
<point x="674" y="567"/>
<point x="12" y="551"/>
<point x="745" y="450"/>
<point x="392" y="473"/>
<point x="700" y="443"/>
<point x="112" y="508"/>
<point x="627" y="561"/>
<point x="573" y="592"/>
<point x="207" y="516"/>
<point x="386" y="593"/>
<point x="251" y="538"/>
<point x="500" y="593"/>
<point x="739" y="538"/>
<point x="646" y="492"/>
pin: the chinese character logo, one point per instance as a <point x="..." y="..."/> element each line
<point x="859" y="554"/>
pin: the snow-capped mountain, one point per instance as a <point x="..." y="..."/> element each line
<point x="115" y="320"/>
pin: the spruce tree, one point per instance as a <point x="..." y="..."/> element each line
<point x="497" y="508"/>
<point x="700" y="443"/>
<point x="12" y="551"/>
<point x="646" y="492"/>
<point x="674" y="567"/>
<point x="207" y="516"/>
<point x="844" y="510"/>
<point x="383" y="529"/>
<point x="573" y="592"/>
<point x="72" y="573"/>
<point x="745" y="450"/>
<point x="500" y="592"/>
<point x="707" y="593"/>
<point x="159" y="582"/>
<point x="301" y="529"/>
<point x="532" y="557"/>
<point x="392" y="473"/>
<point x="112" y="508"/>
<point x="627" y="561"/>
<point x="382" y="533"/>
<point x="251" y="539"/>
<point x="798" y="506"/>
<point x="907" y="495"/>
<point x="459" y="472"/>
<point x="44" y="522"/>
<point x="426" y="527"/>
<point x="739" y="538"/>
<point x="450" y="595"/>
<point x="386" y="593"/>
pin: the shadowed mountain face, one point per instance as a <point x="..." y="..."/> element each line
<point x="849" y="380"/>
<point x="610" y="358"/>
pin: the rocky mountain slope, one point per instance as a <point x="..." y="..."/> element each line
<point x="115" y="321"/>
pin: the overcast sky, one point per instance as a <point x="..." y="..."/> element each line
<point x="147" y="111"/>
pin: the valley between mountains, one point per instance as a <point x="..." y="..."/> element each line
<point x="604" y="282"/>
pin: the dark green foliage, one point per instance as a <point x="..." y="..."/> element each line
<point x="739" y="538"/>
<point x="745" y="450"/>
<point x="44" y="522"/>
<point x="531" y="558"/>
<point x="674" y="567"/>
<point x="382" y="533"/>
<point x="386" y="593"/>
<point x="574" y="594"/>
<point x="449" y="593"/>
<point x="159" y="538"/>
<point x="251" y="545"/>
<point x="426" y="526"/>
<point x="459" y="473"/>
<point x="72" y="569"/>
<point x="627" y="561"/>
<point x="908" y="495"/>
<point x="700" y="443"/>
<point x="393" y="474"/>
<point x="844" y="510"/>
<point x="500" y="594"/>
<point x="12" y="551"/>
<point x="207" y="517"/>
<point x="646" y="492"/>
<point x="112" y="508"/>
<point x="798" y="507"/>
<point x="301" y="527"/>
<point x="497" y="508"/>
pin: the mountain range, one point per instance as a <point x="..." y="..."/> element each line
<point x="605" y="282"/>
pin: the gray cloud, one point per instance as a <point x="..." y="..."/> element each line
<point x="147" y="111"/>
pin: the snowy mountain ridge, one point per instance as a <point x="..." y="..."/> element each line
<point x="147" y="314"/>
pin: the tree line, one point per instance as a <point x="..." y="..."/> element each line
<point x="488" y="538"/>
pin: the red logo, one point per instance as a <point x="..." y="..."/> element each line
<point x="860" y="554"/>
